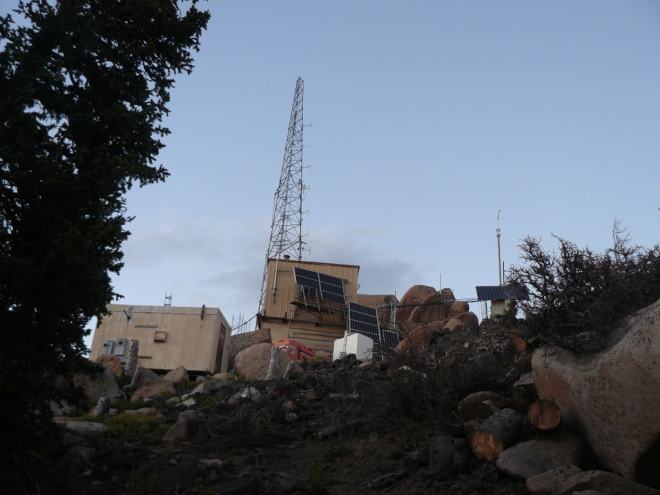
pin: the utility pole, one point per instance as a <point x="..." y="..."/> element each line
<point x="286" y="238"/>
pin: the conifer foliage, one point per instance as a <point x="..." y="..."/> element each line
<point x="84" y="87"/>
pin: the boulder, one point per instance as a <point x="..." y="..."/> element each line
<point x="252" y="362"/>
<point x="402" y="346"/>
<point x="434" y="307"/>
<point x="177" y="375"/>
<point x="458" y="308"/>
<point x="97" y="386"/>
<point x="476" y="405"/>
<point x="489" y="438"/>
<point x="549" y="482"/>
<point x="183" y="427"/>
<point x="413" y="296"/>
<point x="147" y="377"/>
<point x="470" y="323"/>
<point x="568" y="480"/>
<point x="453" y="324"/>
<point x="112" y="363"/>
<point x="420" y="336"/>
<point x="611" y="396"/>
<point x="155" y="390"/>
<point x="537" y="456"/>
<point x="606" y="482"/>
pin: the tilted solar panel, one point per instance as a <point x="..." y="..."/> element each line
<point x="497" y="292"/>
<point x="390" y="339"/>
<point x="329" y="288"/>
<point x="364" y="320"/>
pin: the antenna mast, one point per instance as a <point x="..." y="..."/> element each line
<point x="498" y="232"/>
<point x="286" y="237"/>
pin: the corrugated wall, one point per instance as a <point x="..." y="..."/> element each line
<point x="278" y="305"/>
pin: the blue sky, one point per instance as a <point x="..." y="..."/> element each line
<point x="426" y="118"/>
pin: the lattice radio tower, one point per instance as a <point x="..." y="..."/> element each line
<point x="286" y="237"/>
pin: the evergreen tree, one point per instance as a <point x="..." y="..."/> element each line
<point x="84" y="87"/>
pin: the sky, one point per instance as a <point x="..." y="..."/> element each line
<point x="423" y="119"/>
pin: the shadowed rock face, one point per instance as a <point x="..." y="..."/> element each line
<point x="415" y="295"/>
<point x="435" y="307"/>
<point x="612" y="396"/>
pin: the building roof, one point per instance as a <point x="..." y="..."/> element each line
<point x="163" y="309"/>
<point x="307" y="262"/>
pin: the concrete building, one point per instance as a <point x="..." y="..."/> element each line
<point x="196" y="338"/>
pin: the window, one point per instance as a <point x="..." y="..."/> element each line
<point x="160" y="336"/>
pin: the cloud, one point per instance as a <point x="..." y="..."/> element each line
<point x="221" y="263"/>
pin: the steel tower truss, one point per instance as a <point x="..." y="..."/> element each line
<point x="286" y="237"/>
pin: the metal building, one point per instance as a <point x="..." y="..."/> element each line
<point x="196" y="338"/>
<point x="292" y="310"/>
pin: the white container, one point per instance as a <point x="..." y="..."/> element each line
<point x="356" y="343"/>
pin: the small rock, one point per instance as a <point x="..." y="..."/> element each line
<point x="113" y="411"/>
<point x="524" y="380"/>
<point x="473" y="407"/>
<point x="183" y="427"/>
<point x="203" y="388"/>
<point x="177" y="375"/>
<point x="245" y="394"/>
<point x="86" y="427"/>
<point x="150" y="391"/>
<point x="288" y="405"/>
<point x="144" y="411"/>
<point x="293" y="370"/>
<point x="147" y="377"/>
<point x="224" y="377"/>
<point x="189" y="402"/>
<point x="309" y="394"/>
<point x="290" y="417"/>
<point x="101" y="406"/>
<point x="533" y="457"/>
<point x="211" y="463"/>
<point x="385" y="480"/>
<point x="172" y="400"/>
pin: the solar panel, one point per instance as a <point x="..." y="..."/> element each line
<point x="390" y="339"/>
<point x="328" y="287"/>
<point x="498" y="292"/>
<point x="364" y="320"/>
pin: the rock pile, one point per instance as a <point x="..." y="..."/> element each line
<point x="424" y="312"/>
<point x="462" y="417"/>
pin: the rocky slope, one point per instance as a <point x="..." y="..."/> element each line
<point x="449" y="416"/>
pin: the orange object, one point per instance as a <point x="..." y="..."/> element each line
<point x="295" y="350"/>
